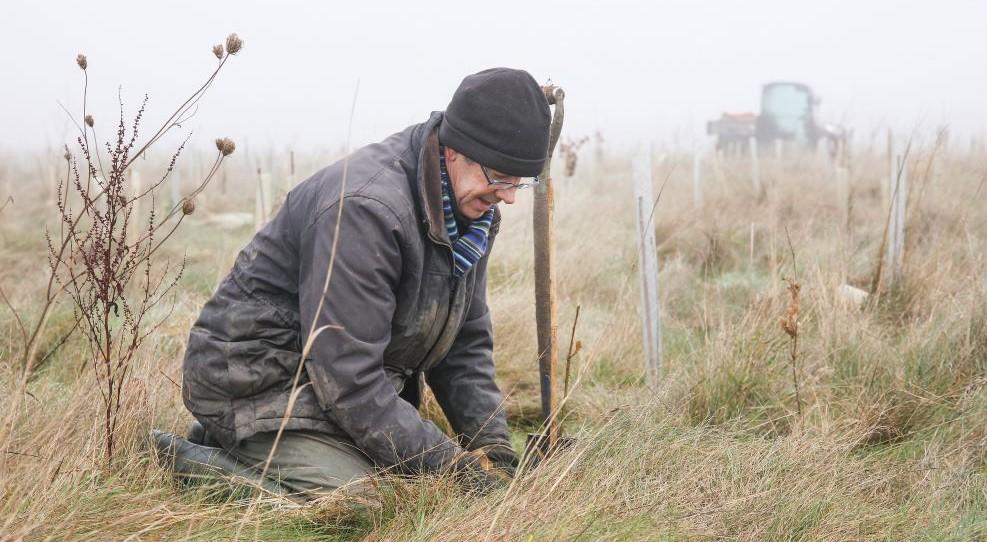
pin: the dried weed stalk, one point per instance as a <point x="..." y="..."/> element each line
<point x="570" y="153"/>
<point x="115" y="280"/>
<point x="790" y="325"/>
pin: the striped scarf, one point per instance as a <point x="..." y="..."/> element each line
<point x="468" y="248"/>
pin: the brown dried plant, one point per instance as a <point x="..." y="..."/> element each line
<point x="113" y="277"/>
<point x="790" y="325"/>
<point x="570" y="153"/>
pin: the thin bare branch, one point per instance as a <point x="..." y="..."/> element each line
<point x="169" y="123"/>
<point x="17" y="317"/>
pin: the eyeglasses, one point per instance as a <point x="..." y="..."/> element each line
<point x="507" y="185"/>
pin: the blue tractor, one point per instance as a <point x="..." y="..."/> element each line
<point x="787" y="118"/>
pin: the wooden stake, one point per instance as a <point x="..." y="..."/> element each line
<point x="648" y="268"/>
<point x="291" y="171"/>
<point x="546" y="316"/>
<point x="750" y="257"/>
<point x="898" y="188"/>
<point x="258" y="204"/>
<point x="842" y="176"/>
<point x="262" y="206"/>
<point x="697" y="180"/>
<point x="885" y="187"/>
<point x="755" y="167"/>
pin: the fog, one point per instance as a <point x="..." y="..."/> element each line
<point x="636" y="71"/>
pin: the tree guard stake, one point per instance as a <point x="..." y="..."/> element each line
<point x="545" y="307"/>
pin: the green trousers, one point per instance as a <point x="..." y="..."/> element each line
<point x="308" y="463"/>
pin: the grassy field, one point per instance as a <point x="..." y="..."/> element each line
<point x="891" y="442"/>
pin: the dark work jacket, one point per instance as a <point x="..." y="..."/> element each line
<point x="392" y="310"/>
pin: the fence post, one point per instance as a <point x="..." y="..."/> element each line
<point x="597" y="155"/>
<point x="697" y="181"/>
<point x="842" y="177"/>
<point x="898" y="189"/>
<point x="648" y="268"/>
<point x="885" y="187"/>
<point x="291" y="171"/>
<point x="755" y="167"/>
<point x="750" y="255"/>
<point x="260" y="202"/>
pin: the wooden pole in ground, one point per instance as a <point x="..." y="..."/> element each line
<point x="260" y="202"/>
<point x="546" y="316"/>
<point x="697" y="180"/>
<point x="750" y="254"/>
<point x="648" y="269"/>
<point x="898" y="188"/>
<point x="755" y="167"/>
<point x="885" y="187"/>
<point x="291" y="171"/>
<point x="842" y="177"/>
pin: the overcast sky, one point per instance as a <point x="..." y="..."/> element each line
<point x="634" y="70"/>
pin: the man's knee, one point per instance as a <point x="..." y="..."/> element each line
<point x="307" y="461"/>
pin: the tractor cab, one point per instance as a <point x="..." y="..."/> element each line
<point x="788" y="114"/>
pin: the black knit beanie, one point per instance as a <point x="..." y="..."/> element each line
<point x="499" y="118"/>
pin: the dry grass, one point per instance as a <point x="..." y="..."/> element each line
<point x="891" y="444"/>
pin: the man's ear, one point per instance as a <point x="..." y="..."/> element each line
<point x="451" y="154"/>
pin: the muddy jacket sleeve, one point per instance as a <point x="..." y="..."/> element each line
<point x="463" y="383"/>
<point x="345" y="363"/>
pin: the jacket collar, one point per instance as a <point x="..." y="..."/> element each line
<point x="430" y="185"/>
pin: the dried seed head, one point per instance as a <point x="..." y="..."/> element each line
<point x="89" y="121"/>
<point x="218" y="50"/>
<point x="188" y="206"/>
<point x="67" y="155"/>
<point x="81" y="61"/>
<point x="790" y="323"/>
<point x="225" y="145"/>
<point x="233" y="44"/>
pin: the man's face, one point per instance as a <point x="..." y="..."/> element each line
<point x="474" y="195"/>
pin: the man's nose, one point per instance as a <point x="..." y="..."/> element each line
<point x="506" y="195"/>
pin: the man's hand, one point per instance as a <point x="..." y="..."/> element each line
<point x="501" y="456"/>
<point x="477" y="473"/>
